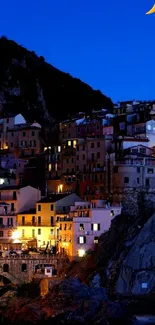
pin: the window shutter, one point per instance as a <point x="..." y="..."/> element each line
<point x="92" y="226"/>
<point x="98" y="226"/>
<point x="78" y="241"/>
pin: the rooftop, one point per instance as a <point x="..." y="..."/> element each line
<point x="54" y="198"/>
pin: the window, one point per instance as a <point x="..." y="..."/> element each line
<point x="95" y="240"/>
<point x="52" y="207"/>
<point x="98" y="154"/>
<point x="51" y="231"/>
<point x="14" y="195"/>
<point x="77" y="157"/>
<point x="39" y="231"/>
<point x="24" y="267"/>
<point x="147" y="182"/>
<point x="1" y="221"/>
<point x="10" y="221"/>
<point x="33" y="220"/>
<point x="138" y="169"/>
<point x="49" y="167"/>
<point x="33" y="133"/>
<point x="126" y="180"/>
<point x="84" y="157"/>
<point x="97" y="127"/>
<point x="150" y="170"/>
<point x="24" y="134"/>
<point x="39" y="220"/>
<point x="23" y="221"/>
<point x="112" y="213"/>
<point x="98" y="144"/>
<point x="7" y="120"/>
<point x="81" y="227"/>
<point x="92" y="145"/>
<point x="82" y="239"/>
<point x="59" y="148"/>
<point x="137" y="180"/>
<point x="39" y="207"/>
<point x="1" y="233"/>
<point x="69" y="143"/>
<point x="33" y="233"/>
<point x="95" y="226"/>
<point x="52" y="221"/>
<point x="5" y="268"/>
<point x="74" y="143"/>
<point x="12" y="134"/>
<point x="83" y="147"/>
<point x="115" y="169"/>
<point x="12" y="207"/>
<point x="11" y="145"/>
<point x="143" y="150"/>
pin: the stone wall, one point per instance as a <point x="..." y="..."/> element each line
<point x="15" y="273"/>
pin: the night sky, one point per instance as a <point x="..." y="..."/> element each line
<point x="107" y="43"/>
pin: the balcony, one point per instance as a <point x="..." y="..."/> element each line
<point x="33" y="224"/>
<point x="6" y="226"/>
<point x="135" y="162"/>
<point x="66" y="219"/>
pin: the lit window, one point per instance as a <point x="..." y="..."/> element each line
<point x="60" y="188"/>
<point x="112" y="213"/>
<point x="1" y="181"/>
<point x="69" y="143"/>
<point x="74" y="143"/>
<point x="82" y="240"/>
<point x="81" y="226"/>
<point x="49" y="167"/>
<point x="95" y="240"/>
<point x="59" y="148"/>
<point x="56" y="166"/>
<point x="95" y="227"/>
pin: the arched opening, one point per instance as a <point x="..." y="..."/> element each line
<point x="24" y="267"/>
<point x="4" y="281"/>
<point x="5" y="268"/>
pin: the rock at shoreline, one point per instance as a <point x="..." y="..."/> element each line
<point x="69" y="302"/>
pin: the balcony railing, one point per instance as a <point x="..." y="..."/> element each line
<point x="65" y="219"/>
<point x="6" y="226"/>
<point x="135" y="162"/>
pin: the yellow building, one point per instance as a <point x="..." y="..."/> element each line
<point x="41" y="226"/>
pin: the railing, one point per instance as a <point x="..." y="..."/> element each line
<point x="7" y="226"/>
<point x="135" y="162"/>
<point x="65" y="219"/>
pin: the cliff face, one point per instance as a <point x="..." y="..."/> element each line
<point x="35" y="88"/>
<point x="137" y="274"/>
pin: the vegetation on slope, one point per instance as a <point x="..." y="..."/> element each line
<point x="41" y="86"/>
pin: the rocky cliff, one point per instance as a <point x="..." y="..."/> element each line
<point x="33" y="87"/>
<point x="69" y="302"/>
<point x="137" y="274"/>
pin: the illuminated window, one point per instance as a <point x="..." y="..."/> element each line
<point x="112" y="213"/>
<point x="59" y="148"/>
<point x="56" y="166"/>
<point x="82" y="239"/>
<point x="45" y="148"/>
<point x="49" y="167"/>
<point x="69" y="143"/>
<point x="95" y="227"/>
<point x="1" y="181"/>
<point x="81" y="226"/>
<point x="60" y="188"/>
<point x="74" y="143"/>
<point x="95" y="240"/>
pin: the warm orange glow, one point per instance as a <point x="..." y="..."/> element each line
<point x="60" y="188"/>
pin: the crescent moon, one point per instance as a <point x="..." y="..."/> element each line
<point x="151" y="11"/>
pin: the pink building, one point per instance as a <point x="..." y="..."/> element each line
<point x="79" y="232"/>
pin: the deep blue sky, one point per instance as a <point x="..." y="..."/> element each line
<point x="110" y="44"/>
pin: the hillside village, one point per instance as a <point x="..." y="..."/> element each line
<point x="62" y="193"/>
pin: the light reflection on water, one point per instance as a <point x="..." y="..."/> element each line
<point x="145" y="319"/>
